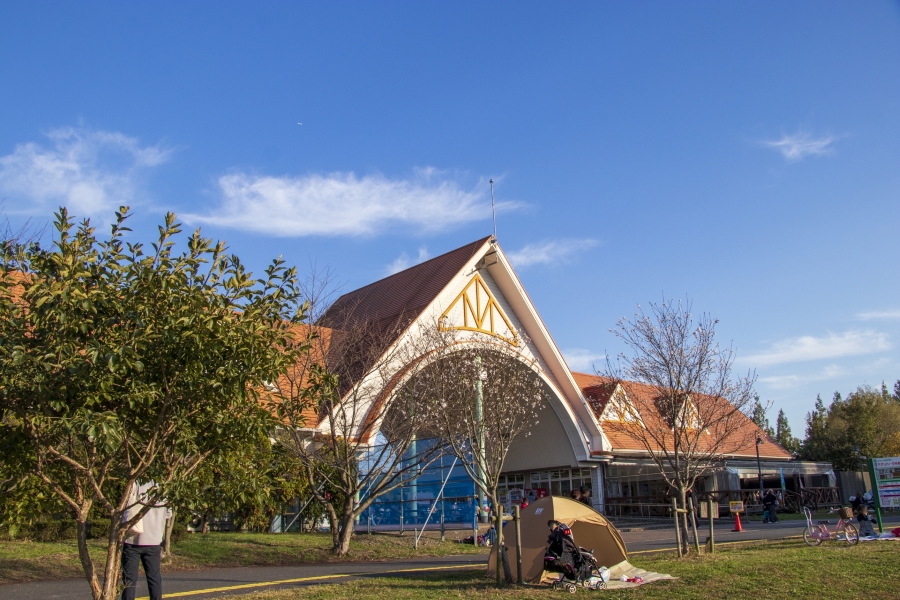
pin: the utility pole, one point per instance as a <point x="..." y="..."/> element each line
<point x="479" y="418"/>
<point x="493" y="210"/>
<point x="759" y="469"/>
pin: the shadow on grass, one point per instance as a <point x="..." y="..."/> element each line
<point x="774" y="570"/>
<point x="16" y="570"/>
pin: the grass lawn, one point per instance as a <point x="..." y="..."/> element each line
<point x="32" y="561"/>
<point x="781" y="569"/>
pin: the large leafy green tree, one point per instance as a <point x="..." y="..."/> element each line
<point x="865" y="424"/>
<point x="815" y="444"/>
<point x="122" y="363"/>
<point x="251" y="485"/>
<point x="783" y="434"/>
<point x="759" y="417"/>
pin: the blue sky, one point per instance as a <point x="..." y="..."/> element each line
<point x="743" y="154"/>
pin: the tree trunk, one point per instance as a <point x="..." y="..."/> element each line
<point x="113" y="566"/>
<point x="498" y="525"/>
<point x="204" y="527"/>
<point x="342" y="543"/>
<point x="685" y="541"/>
<point x="237" y="521"/>
<point x="167" y="543"/>
<point x="84" y="555"/>
<point x="270" y="519"/>
<point x="335" y="528"/>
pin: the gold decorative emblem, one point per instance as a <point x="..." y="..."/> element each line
<point x="480" y="312"/>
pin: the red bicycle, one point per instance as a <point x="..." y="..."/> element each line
<point x="843" y="531"/>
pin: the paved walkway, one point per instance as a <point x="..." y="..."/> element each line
<point x="219" y="582"/>
<point x="211" y="583"/>
<point x="661" y="539"/>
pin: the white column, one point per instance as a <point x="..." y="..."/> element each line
<point x="598" y="491"/>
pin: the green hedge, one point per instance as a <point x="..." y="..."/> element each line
<point x="59" y="530"/>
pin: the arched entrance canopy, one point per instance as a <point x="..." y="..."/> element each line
<point x="474" y="292"/>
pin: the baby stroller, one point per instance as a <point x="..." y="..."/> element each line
<point x="576" y="565"/>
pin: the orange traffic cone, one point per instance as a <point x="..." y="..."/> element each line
<point x="737" y="522"/>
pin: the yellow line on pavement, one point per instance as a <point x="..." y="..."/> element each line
<point x="245" y="586"/>
<point x="470" y="565"/>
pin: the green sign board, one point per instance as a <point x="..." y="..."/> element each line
<point x="887" y="476"/>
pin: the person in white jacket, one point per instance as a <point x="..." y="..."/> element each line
<point x="143" y="544"/>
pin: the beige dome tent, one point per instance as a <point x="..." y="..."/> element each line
<point x="590" y="529"/>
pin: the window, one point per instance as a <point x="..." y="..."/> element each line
<point x="559" y="482"/>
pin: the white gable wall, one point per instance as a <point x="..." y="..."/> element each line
<point x="512" y="290"/>
<point x="582" y="436"/>
<point x="545" y="445"/>
<point x="574" y="422"/>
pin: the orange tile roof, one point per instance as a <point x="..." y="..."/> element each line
<point x="292" y="383"/>
<point x="15" y="280"/>
<point x="598" y="391"/>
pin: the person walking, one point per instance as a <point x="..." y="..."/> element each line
<point x="770" y="506"/>
<point x="144" y="544"/>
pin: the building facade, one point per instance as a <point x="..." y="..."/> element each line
<point x="475" y="291"/>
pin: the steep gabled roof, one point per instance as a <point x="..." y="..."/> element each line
<point x="405" y="294"/>
<point x="374" y="318"/>
<point x="599" y="390"/>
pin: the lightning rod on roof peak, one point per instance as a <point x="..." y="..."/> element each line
<point x="493" y="211"/>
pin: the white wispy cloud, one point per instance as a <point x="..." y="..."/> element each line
<point x="403" y="262"/>
<point x="799" y="145"/>
<point x="879" y="315"/>
<point x="346" y="204"/>
<point x="790" y="381"/>
<point x="849" y="343"/>
<point x="547" y="252"/>
<point x="580" y="359"/>
<point x="91" y="172"/>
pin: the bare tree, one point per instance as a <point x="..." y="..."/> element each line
<point x="351" y="415"/>
<point x="485" y="394"/>
<point x="681" y="402"/>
